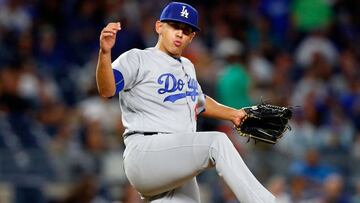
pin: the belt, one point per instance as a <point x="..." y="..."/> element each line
<point x="140" y="132"/>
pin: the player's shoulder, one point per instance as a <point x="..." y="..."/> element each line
<point x="140" y="52"/>
<point x="132" y="54"/>
<point x="186" y="61"/>
<point x="134" y="51"/>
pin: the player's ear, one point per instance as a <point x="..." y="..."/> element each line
<point x="192" y="35"/>
<point x="158" y="26"/>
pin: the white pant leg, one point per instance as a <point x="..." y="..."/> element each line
<point x="187" y="193"/>
<point x="236" y="174"/>
<point x="158" y="163"/>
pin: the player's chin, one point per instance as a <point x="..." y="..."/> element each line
<point x="176" y="51"/>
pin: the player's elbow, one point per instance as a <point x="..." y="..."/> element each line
<point x="106" y="93"/>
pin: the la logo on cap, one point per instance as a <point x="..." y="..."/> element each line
<point x="180" y="12"/>
<point x="184" y="12"/>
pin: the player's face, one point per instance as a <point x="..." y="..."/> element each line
<point x="174" y="37"/>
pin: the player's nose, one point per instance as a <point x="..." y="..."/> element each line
<point x="179" y="33"/>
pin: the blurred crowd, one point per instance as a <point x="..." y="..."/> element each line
<point x="60" y="142"/>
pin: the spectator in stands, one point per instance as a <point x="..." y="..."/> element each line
<point x="333" y="190"/>
<point x="311" y="14"/>
<point x="14" y="17"/>
<point x="277" y="186"/>
<point x="233" y="84"/>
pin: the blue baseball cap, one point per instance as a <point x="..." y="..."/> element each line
<point x="181" y="12"/>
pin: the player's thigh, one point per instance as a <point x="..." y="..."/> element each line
<point x="187" y="193"/>
<point x="154" y="164"/>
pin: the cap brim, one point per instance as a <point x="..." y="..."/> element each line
<point x="180" y="21"/>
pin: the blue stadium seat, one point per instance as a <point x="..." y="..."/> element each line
<point x="40" y="164"/>
<point x="2" y="142"/>
<point x="10" y="169"/>
<point x="21" y="126"/>
<point x="25" y="194"/>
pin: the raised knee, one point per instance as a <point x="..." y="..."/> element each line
<point x="220" y="147"/>
<point x="221" y="137"/>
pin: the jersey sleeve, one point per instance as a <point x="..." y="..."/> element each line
<point x="125" y="69"/>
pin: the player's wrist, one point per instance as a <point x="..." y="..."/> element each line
<point x="234" y="116"/>
<point x="104" y="51"/>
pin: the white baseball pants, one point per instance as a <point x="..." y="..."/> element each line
<point x="163" y="167"/>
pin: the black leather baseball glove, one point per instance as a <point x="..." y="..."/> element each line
<point x="264" y="122"/>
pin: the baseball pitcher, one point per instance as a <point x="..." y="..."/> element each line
<point x="160" y="99"/>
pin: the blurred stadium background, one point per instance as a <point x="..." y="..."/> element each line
<point x="60" y="142"/>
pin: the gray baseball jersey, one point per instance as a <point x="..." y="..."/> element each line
<point x="159" y="93"/>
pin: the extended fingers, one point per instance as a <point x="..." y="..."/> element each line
<point x="243" y="119"/>
<point x="114" y="26"/>
<point x="107" y="33"/>
<point x="111" y="29"/>
<point x="243" y="116"/>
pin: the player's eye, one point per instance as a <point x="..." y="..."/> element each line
<point x="187" y="30"/>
